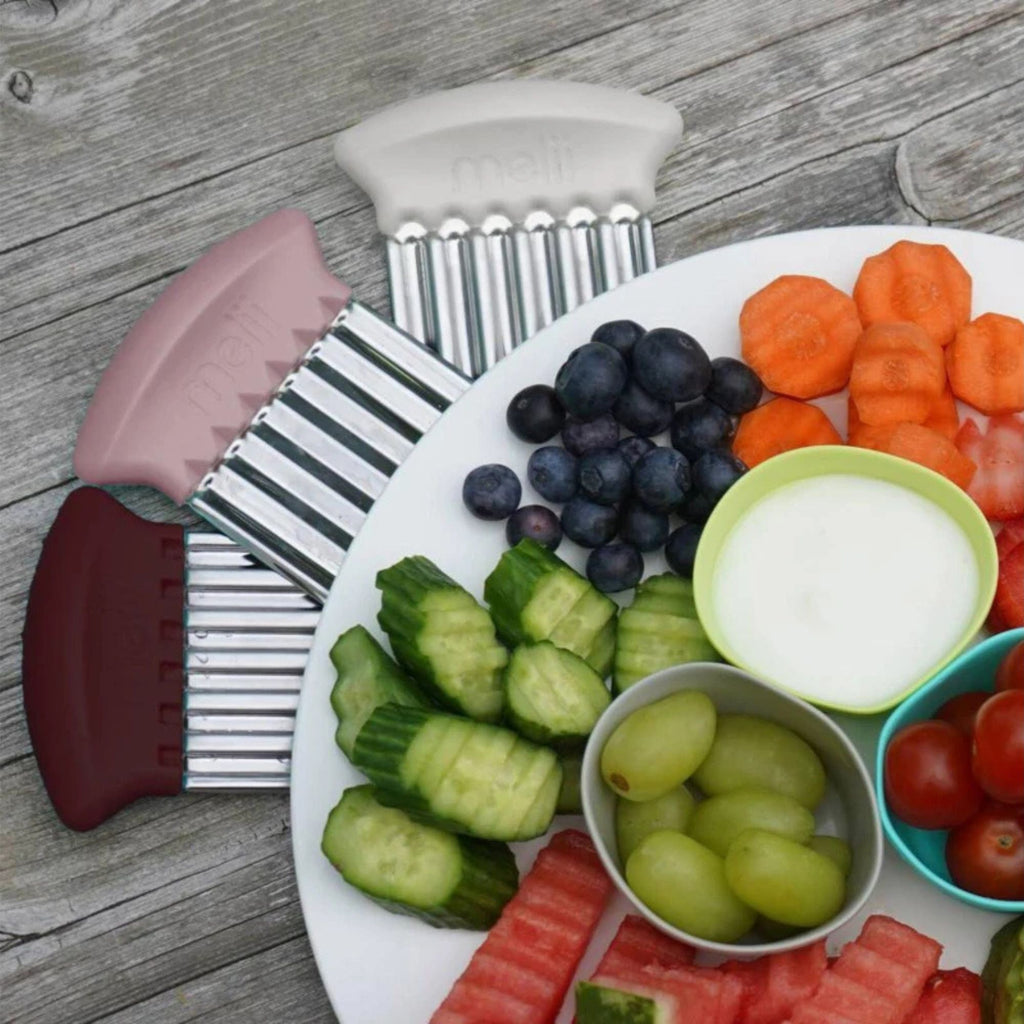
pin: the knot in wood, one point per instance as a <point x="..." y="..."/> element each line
<point x="20" y="86"/>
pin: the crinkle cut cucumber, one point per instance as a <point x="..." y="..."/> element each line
<point x="367" y="678"/>
<point x="553" y="696"/>
<point x="447" y="880"/>
<point x="659" y="629"/>
<point x="464" y="776"/>
<point x="442" y="636"/>
<point x="534" y="595"/>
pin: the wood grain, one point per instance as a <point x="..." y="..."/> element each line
<point x="133" y="135"/>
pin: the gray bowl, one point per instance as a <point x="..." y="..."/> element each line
<point x="848" y="809"/>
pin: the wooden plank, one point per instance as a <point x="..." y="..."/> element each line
<point x="857" y="188"/>
<point x="229" y="910"/>
<point x="939" y="166"/>
<point x="52" y="877"/>
<point x="280" y="984"/>
<point x="140" y="99"/>
<point x="844" y="113"/>
<point x="152" y="238"/>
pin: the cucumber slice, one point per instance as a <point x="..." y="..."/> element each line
<point x="659" y="629"/>
<point x="447" y="880"/>
<point x="534" y="595"/>
<point x="460" y="775"/>
<point x="552" y="696"/>
<point x="443" y="637"/>
<point x="367" y="678"/>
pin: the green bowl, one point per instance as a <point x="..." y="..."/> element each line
<point x="925" y="849"/>
<point x="824" y="460"/>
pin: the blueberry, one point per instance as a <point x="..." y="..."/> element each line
<point x="696" y="507"/>
<point x="613" y="567"/>
<point x="643" y="528"/>
<point x="638" y="411"/>
<point x="700" y="426"/>
<point x="590" y="380"/>
<point x="681" y="548"/>
<point x="671" y="365"/>
<point x="605" y="476"/>
<point x="536" y="522"/>
<point x="492" y="492"/>
<point x="661" y="479"/>
<point x="535" y="414"/>
<point x="634" y="447"/>
<point x="734" y="386"/>
<point x="554" y="473"/>
<point x="582" y="436"/>
<point x="622" y="335"/>
<point x="715" y="472"/>
<point x="588" y="523"/>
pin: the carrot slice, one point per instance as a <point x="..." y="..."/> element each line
<point x="860" y="434"/>
<point x="944" y="417"/>
<point x="986" y="363"/>
<point x="798" y="335"/>
<point x="898" y="374"/>
<point x="927" y="448"/>
<point x="925" y="284"/>
<point x="780" y="426"/>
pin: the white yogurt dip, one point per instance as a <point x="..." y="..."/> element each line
<point x="844" y="588"/>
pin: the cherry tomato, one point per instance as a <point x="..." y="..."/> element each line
<point x="960" y="711"/>
<point x="1010" y="674"/>
<point x="997" y="755"/>
<point x="928" y="780"/>
<point x="986" y="854"/>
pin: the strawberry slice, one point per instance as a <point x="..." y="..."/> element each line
<point x="1010" y="536"/>
<point x="1008" y="606"/>
<point x="998" y="485"/>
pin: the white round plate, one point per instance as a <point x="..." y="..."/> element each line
<point x="379" y="968"/>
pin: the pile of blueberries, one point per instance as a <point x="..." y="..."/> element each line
<point x="618" y="493"/>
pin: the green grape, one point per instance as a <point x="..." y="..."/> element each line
<point x="783" y="880"/>
<point x="835" y="849"/>
<point x="569" y="799"/>
<point x="657" y="747"/>
<point x="752" y="751"/>
<point x="634" y="821"/>
<point x="718" y="820"/>
<point x="684" y="883"/>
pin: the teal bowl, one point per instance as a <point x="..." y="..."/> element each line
<point x="924" y="850"/>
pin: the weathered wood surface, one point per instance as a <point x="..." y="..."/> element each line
<point x="132" y="135"/>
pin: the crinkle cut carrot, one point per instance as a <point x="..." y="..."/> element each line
<point x="911" y="281"/>
<point x="780" y="426"/>
<point x="898" y="374"/>
<point x="986" y="364"/>
<point x="798" y="334"/>
<point x="927" y="448"/>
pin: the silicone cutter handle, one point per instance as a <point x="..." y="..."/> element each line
<point x="510" y="148"/>
<point x="199" y="363"/>
<point x="102" y="658"/>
